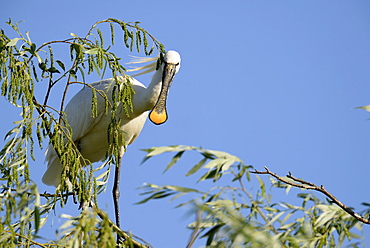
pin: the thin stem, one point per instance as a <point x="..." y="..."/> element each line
<point x="28" y="239"/>
<point x="308" y="185"/>
<point x="116" y="192"/>
<point x="49" y="89"/>
<point x="195" y="232"/>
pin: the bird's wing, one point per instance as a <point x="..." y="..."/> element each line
<point x="79" y="109"/>
<point x="79" y="116"/>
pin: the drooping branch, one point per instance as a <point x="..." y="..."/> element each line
<point x="119" y="231"/>
<point x="299" y="183"/>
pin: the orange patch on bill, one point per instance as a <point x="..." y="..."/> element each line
<point x="158" y="118"/>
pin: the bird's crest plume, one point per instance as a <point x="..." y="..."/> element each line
<point x="147" y="68"/>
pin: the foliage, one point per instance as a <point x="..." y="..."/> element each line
<point x="225" y="216"/>
<point x="27" y="69"/>
<point x="232" y="216"/>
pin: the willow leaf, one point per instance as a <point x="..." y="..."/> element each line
<point x="174" y="160"/>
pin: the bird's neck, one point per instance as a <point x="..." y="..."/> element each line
<point x="154" y="89"/>
<point x="145" y="98"/>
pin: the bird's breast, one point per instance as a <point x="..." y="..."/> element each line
<point x="93" y="146"/>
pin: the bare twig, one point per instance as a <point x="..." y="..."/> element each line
<point x="299" y="183"/>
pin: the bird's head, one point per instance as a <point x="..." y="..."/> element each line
<point x="172" y="58"/>
<point x="170" y="66"/>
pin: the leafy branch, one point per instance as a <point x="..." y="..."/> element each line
<point x="233" y="216"/>
<point x="26" y="68"/>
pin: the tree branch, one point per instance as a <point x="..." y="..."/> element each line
<point x="28" y="240"/>
<point x="299" y="183"/>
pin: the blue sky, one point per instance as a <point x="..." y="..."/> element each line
<point x="272" y="82"/>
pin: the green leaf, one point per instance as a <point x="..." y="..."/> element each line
<point x="158" y="150"/>
<point x="94" y="50"/>
<point x="211" y="233"/>
<point x="28" y="37"/>
<point x="262" y="186"/>
<point x="276" y="217"/>
<point x="82" y="74"/>
<point x="367" y="108"/>
<point x="37" y="219"/>
<point x="7" y="147"/>
<point x="209" y="175"/>
<point x="112" y="32"/>
<point x="102" y="175"/>
<point x="60" y="63"/>
<point x="226" y="165"/>
<point x="222" y="203"/>
<point x="218" y="162"/>
<point x="33" y="48"/>
<point x="154" y="151"/>
<point x="174" y="160"/>
<point x="196" y="167"/>
<point x="181" y="189"/>
<point x="288" y="188"/>
<point x="34" y="73"/>
<point x="328" y="213"/>
<point x="287" y="226"/>
<point x="53" y="70"/>
<point x="13" y="42"/>
<point x="221" y="154"/>
<point x="158" y="195"/>
<point x="100" y="183"/>
<point x="42" y="66"/>
<point x="78" y="50"/>
<point x="241" y="172"/>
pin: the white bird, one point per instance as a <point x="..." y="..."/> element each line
<point x="90" y="134"/>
